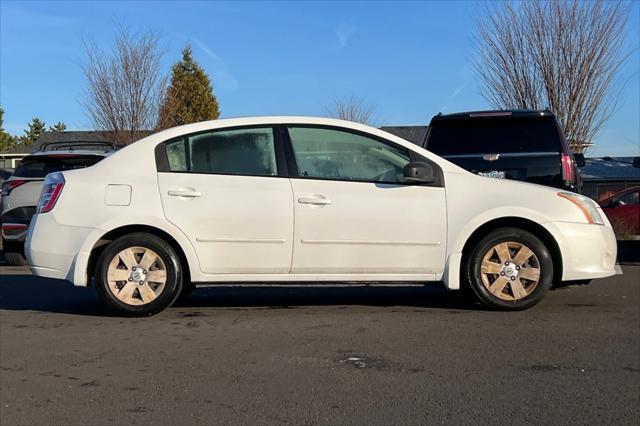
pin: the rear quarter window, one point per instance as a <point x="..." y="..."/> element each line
<point x="493" y="136"/>
<point x="40" y="166"/>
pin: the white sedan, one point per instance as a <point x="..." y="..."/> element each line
<point x="299" y="199"/>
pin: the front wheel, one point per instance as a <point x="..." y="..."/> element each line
<point x="138" y="274"/>
<point x="509" y="269"/>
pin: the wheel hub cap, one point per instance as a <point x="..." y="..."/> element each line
<point x="510" y="270"/>
<point x="136" y="276"/>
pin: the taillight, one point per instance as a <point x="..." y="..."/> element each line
<point x="10" y="185"/>
<point x="567" y="169"/>
<point x="53" y="185"/>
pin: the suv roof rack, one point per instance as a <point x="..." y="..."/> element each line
<point x="495" y="113"/>
<point x="76" y="145"/>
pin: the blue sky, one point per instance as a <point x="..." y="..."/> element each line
<point x="409" y="59"/>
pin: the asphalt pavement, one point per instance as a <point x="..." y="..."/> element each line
<point x="333" y="355"/>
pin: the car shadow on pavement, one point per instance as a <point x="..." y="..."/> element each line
<point x="26" y="292"/>
<point x="21" y="292"/>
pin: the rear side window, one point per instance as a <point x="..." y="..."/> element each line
<point x="39" y="166"/>
<point x="493" y="136"/>
<point x="235" y="152"/>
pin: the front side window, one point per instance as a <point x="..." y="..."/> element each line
<point x="340" y="155"/>
<point x="236" y="152"/>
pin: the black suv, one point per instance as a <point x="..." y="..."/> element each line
<point x="522" y="145"/>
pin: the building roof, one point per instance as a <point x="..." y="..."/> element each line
<point x="17" y="149"/>
<point x="413" y="134"/>
<point x="610" y="168"/>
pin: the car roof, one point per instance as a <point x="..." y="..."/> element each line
<point x="514" y="113"/>
<point x="261" y="120"/>
<point x="154" y="139"/>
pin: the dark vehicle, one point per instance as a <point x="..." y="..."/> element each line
<point x="21" y="191"/>
<point x="522" y="145"/>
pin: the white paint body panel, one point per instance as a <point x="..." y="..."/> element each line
<point x="368" y="228"/>
<point x="238" y="225"/>
<point x="253" y="229"/>
<point x="25" y="195"/>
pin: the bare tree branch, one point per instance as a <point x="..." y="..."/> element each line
<point x="563" y="55"/>
<point x="124" y="86"/>
<point x="351" y="109"/>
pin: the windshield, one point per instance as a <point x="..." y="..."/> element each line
<point x="36" y="166"/>
<point x="471" y="136"/>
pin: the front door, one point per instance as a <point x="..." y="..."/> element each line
<point x="222" y="189"/>
<point x="354" y="212"/>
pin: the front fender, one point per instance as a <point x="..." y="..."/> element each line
<point x="457" y="241"/>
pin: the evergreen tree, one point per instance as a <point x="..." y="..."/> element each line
<point x="6" y="140"/>
<point x="189" y="97"/>
<point x="58" y="127"/>
<point x="33" y="132"/>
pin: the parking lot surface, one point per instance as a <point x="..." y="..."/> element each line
<point x="346" y="355"/>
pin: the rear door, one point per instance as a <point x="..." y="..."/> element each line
<point x="520" y="148"/>
<point x="223" y="189"/>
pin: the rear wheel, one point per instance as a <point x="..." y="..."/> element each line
<point x="138" y="274"/>
<point x="509" y="269"/>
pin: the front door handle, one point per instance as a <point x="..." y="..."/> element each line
<point x="318" y="200"/>
<point x="184" y="193"/>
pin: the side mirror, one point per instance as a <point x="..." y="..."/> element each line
<point x="579" y="158"/>
<point x="419" y="172"/>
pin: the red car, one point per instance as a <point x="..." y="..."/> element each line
<point x="623" y="210"/>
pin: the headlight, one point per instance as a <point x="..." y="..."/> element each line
<point x="588" y="207"/>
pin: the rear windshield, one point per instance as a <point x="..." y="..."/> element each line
<point x="39" y="166"/>
<point x="493" y="136"/>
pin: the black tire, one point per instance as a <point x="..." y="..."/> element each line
<point x="187" y="289"/>
<point x="473" y="269"/>
<point x="172" y="287"/>
<point x="14" y="259"/>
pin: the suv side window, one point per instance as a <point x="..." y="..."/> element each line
<point x="341" y="155"/>
<point x="236" y="152"/>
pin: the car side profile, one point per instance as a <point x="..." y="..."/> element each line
<point x="305" y="200"/>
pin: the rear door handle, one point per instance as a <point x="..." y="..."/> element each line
<point x="317" y="200"/>
<point x="184" y="193"/>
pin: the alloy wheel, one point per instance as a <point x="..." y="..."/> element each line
<point x="510" y="270"/>
<point x="136" y="276"/>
